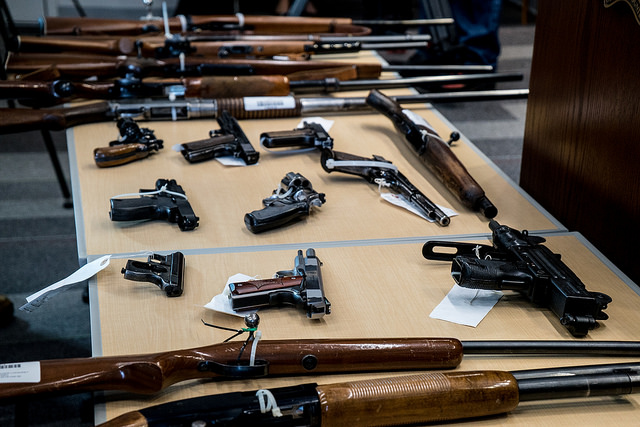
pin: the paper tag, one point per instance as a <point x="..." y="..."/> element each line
<point x="222" y="303"/>
<point x="466" y="306"/>
<point x="83" y="273"/>
<point x="398" y="200"/>
<point x="259" y="103"/>
<point x="21" y="372"/>
<point x="419" y="120"/>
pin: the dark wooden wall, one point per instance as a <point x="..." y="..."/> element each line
<point x="581" y="155"/>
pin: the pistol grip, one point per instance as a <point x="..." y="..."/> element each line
<point x="254" y="294"/>
<point x="133" y="209"/>
<point x="274" y="216"/>
<point x="120" y="154"/>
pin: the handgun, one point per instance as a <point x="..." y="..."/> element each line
<point x="382" y="172"/>
<point x="229" y="140"/>
<point x="310" y="135"/>
<point x="292" y="200"/>
<point x="301" y="287"/>
<point x="167" y="202"/>
<point x="167" y="272"/>
<point x="135" y="143"/>
<point x="518" y="261"/>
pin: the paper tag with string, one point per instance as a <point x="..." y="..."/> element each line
<point x="225" y="160"/>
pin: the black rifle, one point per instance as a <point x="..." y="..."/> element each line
<point x="167" y="201"/>
<point x="301" y="287"/>
<point x="165" y="271"/>
<point x="383" y="172"/>
<point x="518" y="261"/>
<point x="414" y="399"/>
<point x="229" y="140"/>
<point x="310" y="135"/>
<point x="135" y="143"/>
<point x="291" y="201"/>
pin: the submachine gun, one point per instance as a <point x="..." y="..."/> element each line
<point x="518" y="261"/>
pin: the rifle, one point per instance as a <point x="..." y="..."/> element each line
<point x="434" y="153"/>
<point x="382" y="172"/>
<point x="152" y="373"/>
<point x="301" y="287"/>
<point x="74" y="66"/>
<point x="518" y="261"/>
<point x="256" y="24"/>
<point x="292" y="200"/>
<point x="135" y="143"/>
<point x="403" y="400"/>
<point x="59" y="118"/>
<point x="167" y="201"/>
<point x="46" y="93"/>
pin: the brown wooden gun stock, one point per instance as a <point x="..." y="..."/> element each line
<point x="256" y="24"/>
<point x="146" y="374"/>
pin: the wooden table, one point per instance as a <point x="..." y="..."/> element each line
<point x="374" y="274"/>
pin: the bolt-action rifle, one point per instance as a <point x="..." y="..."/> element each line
<point x="409" y="400"/>
<point x="59" y="118"/>
<point x="75" y="66"/>
<point x="256" y="24"/>
<point x="434" y="153"/>
<point x="152" y="373"/>
<point x="519" y="262"/>
<point x="47" y="93"/>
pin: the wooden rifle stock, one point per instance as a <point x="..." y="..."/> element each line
<point x="95" y="45"/>
<point x="257" y="24"/>
<point x="152" y="373"/>
<point x="25" y="119"/>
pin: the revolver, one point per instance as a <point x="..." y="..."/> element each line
<point x="310" y="135"/>
<point x="518" y="261"/>
<point x="383" y="172"/>
<point x="167" y="201"/>
<point x="301" y="287"/>
<point x="135" y="143"/>
<point x="167" y="272"/>
<point x="229" y="140"/>
<point x="292" y="200"/>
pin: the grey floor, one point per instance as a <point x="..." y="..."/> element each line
<point x="38" y="241"/>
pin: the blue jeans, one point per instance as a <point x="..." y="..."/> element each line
<point x="477" y="24"/>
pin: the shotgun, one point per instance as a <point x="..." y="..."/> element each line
<point x="256" y="24"/>
<point x="151" y="373"/>
<point x="50" y="92"/>
<point x="59" y="118"/>
<point x="413" y="399"/>
<point x="434" y="153"/>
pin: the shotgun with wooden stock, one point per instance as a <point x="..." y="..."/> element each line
<point x="434" y="153"/>
<point x="26" y="119"/>
<point x="402" y="400"/>
<point x="151" y="373"/>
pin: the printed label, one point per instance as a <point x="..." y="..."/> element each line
<point x="258" y="103"/>
<point x="21" y="372"/>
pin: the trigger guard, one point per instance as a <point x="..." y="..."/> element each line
<point x="236" y="369"/>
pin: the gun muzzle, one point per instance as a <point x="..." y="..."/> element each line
<point x="475" y="273"/>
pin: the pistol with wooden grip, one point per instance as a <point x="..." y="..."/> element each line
<point x="434" y="153"/>
<point x="229" y="140"/>
<point x="291" y="201"/>
<point x="166" y="202"/>
<point x="135" y="143"/>
<point x="518" y="261"/>
<point x="301" y="287"/>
